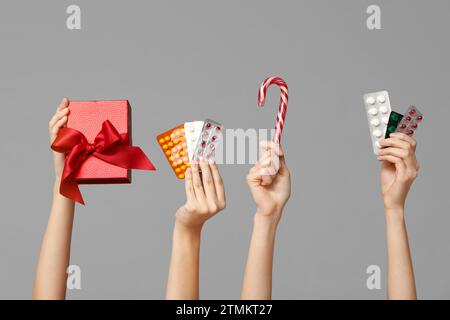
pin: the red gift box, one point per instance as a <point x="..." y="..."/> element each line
<point x="97" y="145"/>
<point x="88" y="117"/>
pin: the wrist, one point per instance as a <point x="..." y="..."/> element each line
<point x="394" y="215"/>
<point x="267" y="221"/>
<point x="57" y="196"/>
<point x="272" y="215"/>
<point x="188" y="230"/>
<point x="56" y="186"/>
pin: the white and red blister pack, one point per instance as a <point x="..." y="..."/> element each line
<point x="410" y="121"/>
<point x="378" y="108"/>
<point x="208" y="140"/>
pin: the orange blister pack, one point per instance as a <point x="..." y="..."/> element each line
<point x="173" y="144"/>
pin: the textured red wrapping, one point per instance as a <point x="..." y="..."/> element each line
<point x="88" y="117"/>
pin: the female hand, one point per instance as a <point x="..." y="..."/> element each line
<point x="58" y="121"/>
<point x="270" y="182"/>
<point x="399" y="169"/>
<point x="205" y="194"/>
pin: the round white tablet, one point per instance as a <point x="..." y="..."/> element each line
<point x="377" y="133"/>
<point x="373" y="111"/>
<point x="381" y="98"/>
<point x="375" y="122"/>
<point x="383" y="109"/>
<point x="370" y="100"/>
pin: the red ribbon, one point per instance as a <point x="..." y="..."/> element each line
<point x="109" y="146"/>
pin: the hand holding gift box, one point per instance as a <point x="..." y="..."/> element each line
<point x="98" y="147"/>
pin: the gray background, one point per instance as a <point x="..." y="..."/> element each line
<point x="179" y="61"/>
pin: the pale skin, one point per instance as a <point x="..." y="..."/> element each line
<point x="205" y="196"/>
<point x="271" y="189"/>
<point x="51" y="276"/>
<point x="399" y="169"/>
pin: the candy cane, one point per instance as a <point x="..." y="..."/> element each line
<point x="283" y="103"/>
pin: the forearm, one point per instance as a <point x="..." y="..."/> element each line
<point x="183" y="282"/>
<point x="51" y="276"/>
<point x="400" y="278"/>
<point x="257" y="282"/>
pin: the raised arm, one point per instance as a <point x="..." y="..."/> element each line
<point x="205" y="197"/>
<point x="399" y="169"/>
<point x="51" y="276"/>
<point x="270" y="191"/>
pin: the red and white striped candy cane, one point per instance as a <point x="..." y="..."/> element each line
<point x="283" y="103"/>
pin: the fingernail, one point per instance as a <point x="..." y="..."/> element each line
<point x="211" y="160"/>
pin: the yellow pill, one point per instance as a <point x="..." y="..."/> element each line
<point x="170" y="144"/>
<point x="161" y="140"/>
<point x="181" y="138"/>
<point x="176" y="155"/>
<point x="185" y="159"/>
<point x="167" y="138"/>
<point x="184" y="144"/>
<point x="175" y="141"/>
<point x="177" y="170"/>
<point x="171" y="158"/>
<point x="177" y="132"/>
<point x="181" y="176"/>
<point x="180" y="162"/>
<point x="174" y="149"/>
<point x="183" y="167"/>
<point x="168" y="152"/>
<point x="182" y="129"/>
<point x="174" y="164"/>
<point x="179" y="147"/>
<point x="181" y="153"/>
<point x="188" y="165"/>
<point x="172" y="135"/>
<point x="165" y="146"/>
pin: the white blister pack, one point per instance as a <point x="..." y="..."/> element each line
<point x="378" y="108"/>
<point x="192" y="131"/>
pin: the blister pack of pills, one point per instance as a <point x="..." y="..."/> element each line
<point x="378" y="108"/>
<point x="192" y="131"/>
<point x="173" y="143"/>
<point x="207" y="142"/>
<point x="394" y="120"/>
<point x="410" y="121"/>
<point x="189" y="141"/>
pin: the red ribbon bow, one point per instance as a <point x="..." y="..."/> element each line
<point x="109" y="146"/>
